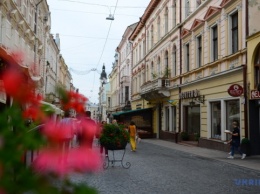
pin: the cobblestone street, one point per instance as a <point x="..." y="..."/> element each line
<point x="157" y="169"/>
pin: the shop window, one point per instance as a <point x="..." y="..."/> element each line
<point x="170" y="118"/>
<point x="232" y="113"/>
<point x="216" y="120"/>
<point x="174" y="123"/>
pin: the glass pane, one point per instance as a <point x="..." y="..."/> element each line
<point x="233" y="114"/>
<point x="216" y="120"/>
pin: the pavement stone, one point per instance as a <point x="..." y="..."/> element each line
<point x="250" y="162"/>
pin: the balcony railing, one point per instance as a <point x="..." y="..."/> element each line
<point x="157" y="84"/>
<point x="155" y="89"/>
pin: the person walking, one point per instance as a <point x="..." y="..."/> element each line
<point x="235" y="141"/>
<point x="132" y="132"/>
<point x="98" y="134"/>
<point x="88" y="129"/>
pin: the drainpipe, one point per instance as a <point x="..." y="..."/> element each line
<point x="180" y="48"/>
<point x="245" y="78"/>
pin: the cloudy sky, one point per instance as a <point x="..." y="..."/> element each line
<point x="88" y="40"/>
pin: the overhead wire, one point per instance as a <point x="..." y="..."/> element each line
<point x="104" y="44"/>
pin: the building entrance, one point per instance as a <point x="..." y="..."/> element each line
<point x="191" y="121"/>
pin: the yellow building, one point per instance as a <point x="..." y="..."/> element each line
<point x="253" y="75"/>
<point x="189" y="65"/>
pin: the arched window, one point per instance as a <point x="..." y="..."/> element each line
<point x="153" y="73"/>
<point x="166" y="20"/>
<point x="148" y="41"/>
<point x="257" y="68"/>
<point x="166" y="65"/>
<point x="158" y="29"/>
<point x="174" y="13"/>
<point x="174" y="65"/>
<point x="152" y="37"/>
<point x="159" y="66"/>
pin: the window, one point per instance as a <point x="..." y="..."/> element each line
<point x="199" y="51"/>
<point x="232" y="113"/>
<point x="234" y="32"/>
<point x="216" y="120"/>
<point x="187" y="8"/>
<point x="152" y="71"/>
<point x="166" y="65"/>
<point x="126" y="94"/>
<point x="166" y="20"/>
<point x="140" y="51"/>
<point x="148" y="41"/>
<point x="198" y="2"/>
<point x="144" y="48"/>
<point x="229" y="113"/>
<point x="215" y="43"/>
<point x="158" y="29"/>
<point x="257" y="67"/>
<point x="174" y="65"/>
<point x="174" y="13"/>
<point x="174" y="119"/>
<point x="170" y="118"/>
<point x="159" y="66"/>
<point x="152" y="37"/>
<point x="187" y="57"/>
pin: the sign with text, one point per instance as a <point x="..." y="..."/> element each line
<point x="255" y="94"/>
<point x="235" y="90"/>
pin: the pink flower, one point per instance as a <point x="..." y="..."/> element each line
<point x="61" y="163"/>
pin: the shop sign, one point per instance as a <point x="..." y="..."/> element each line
<point x="255" y="94"/>
<point x="235" y="90"/>
<point x="189" y="94"/>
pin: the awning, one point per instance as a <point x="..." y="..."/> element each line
<point x="131" y="111"/>
<point x="8" y="58"/>
<point x="57" y="110"/>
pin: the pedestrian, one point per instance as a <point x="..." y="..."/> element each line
<point x="235" y="141"/>
<point x="87" y="131"/>
<point x="67" y="126"/>
<point x="132" y="132"/>
<point x="115" y="122"/>
<point x="98" y="134"/>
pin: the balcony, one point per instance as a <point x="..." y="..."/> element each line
<point x="125" y="79"/>
<point x="155" y="89"/>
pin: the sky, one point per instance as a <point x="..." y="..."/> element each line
<point x="88" y="40"/>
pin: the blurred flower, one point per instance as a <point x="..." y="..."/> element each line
<point x="81" y="159"/>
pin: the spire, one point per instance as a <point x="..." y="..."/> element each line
<point x="103" y="74"/>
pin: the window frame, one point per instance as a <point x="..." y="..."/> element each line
<point x="214" y="42"/>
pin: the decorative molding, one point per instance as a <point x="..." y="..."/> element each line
<point x="196" y="24"/>
<point x="211" y="12"/>
<point x="185" y="32"/>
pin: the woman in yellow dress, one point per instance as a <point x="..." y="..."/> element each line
<point x="132" y="132"/>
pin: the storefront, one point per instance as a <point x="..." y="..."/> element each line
<point x="254" y="96"/>
<point x="223" y="102"/>
<point x="143" y="119"/>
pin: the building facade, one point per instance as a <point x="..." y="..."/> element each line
<point x="253" y="64"/>
<point x="189" y="65"/>
<point x="25" y="27"/>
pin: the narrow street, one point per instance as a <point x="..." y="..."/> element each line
<point x="157" y="169"/>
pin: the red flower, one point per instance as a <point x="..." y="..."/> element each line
<point x="16" y="85"/>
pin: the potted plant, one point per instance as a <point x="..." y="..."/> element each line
<point x="114" y="137"/>
<point x="184" y="136"/>
<point x="245" y="146"/>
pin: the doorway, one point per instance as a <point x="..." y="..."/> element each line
<point x="191" y="119"/>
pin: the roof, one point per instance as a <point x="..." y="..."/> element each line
<point x="131" y="111"/>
